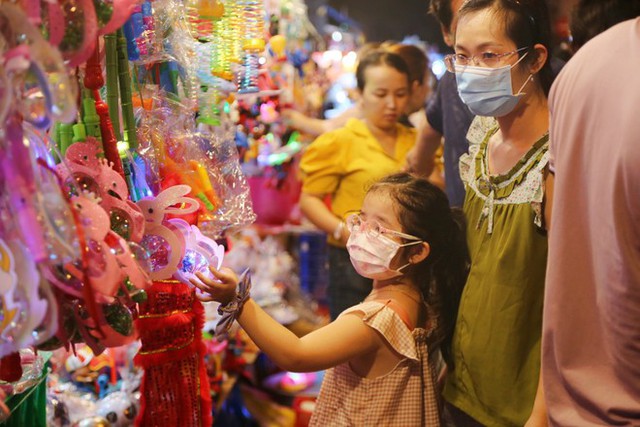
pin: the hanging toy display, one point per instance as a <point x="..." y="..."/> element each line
<point x="209" y="95"/>
<point x="202" y="16"/>
<point x="119" y="169"/>
<point x="171" y="321"/>
<point x="252" y="13"/>
<point x="84" y="170"/>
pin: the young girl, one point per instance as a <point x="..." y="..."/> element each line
<point x="383" y="355"/>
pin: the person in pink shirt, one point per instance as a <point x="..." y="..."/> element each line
<point x="591" y="326"/>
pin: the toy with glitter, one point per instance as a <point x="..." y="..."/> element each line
<point x="81" y="31"/>
<point x="200" y="253"/>
<point x="83" y="170"/>
<point x="162" y="240"/>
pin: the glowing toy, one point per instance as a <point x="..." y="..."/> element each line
<point x="200" y="252"/>
<point x="162" y="240"/>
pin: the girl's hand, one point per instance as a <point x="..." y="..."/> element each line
<point x="222" y="290"/>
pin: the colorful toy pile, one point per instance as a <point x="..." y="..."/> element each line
<point x="118" y="164"/>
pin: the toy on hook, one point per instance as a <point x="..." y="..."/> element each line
<point x="162" y="240"/>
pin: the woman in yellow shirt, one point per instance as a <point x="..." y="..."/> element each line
<point x="343" y="163"/>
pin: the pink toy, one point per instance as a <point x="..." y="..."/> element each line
<point x="109" y="259"/>
<point x="163" y="240"/>
<point x="40" y="215"/>
<point x="15" y="165"/>
<point x="109" y="274"/>
<point x="103" y="270"/>
<point x="96" y="175"/>
<point x="200" y="252"/>
<point x="80" y="15"/>
<point x="268" y="113"/>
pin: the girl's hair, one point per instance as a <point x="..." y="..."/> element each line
<point x="415" y="59"/>
<point x="423" y="211"/>
<point x="526" y="22"/>
<point x="380" y="57"/>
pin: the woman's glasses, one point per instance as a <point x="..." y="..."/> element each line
<point x="355" y="222"/>
<point x="484" y="59"/>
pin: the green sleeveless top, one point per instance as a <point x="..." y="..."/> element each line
<point x="496" y="345"/>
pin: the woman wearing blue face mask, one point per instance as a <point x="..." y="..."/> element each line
<point x="502" y="70"/>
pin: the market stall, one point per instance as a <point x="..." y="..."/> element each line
<point x="128" y="131"/>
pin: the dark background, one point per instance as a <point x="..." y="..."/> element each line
<point x="382" y="20"/>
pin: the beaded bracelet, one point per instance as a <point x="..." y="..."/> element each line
<point x="231" y="310"/>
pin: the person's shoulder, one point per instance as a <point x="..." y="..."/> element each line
<point x="608" y="54"/>
<point x="615" y="42"/>
<point x="337" y="140"/>
<point x="353" y="127"/>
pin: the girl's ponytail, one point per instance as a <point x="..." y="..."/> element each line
<point x="449" y="275"/>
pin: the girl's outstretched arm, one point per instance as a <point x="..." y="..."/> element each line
<point x="336" y="343"/>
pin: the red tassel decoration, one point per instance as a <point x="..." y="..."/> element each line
<point x="175" y="387"/>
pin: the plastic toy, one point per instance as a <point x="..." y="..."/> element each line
<point x="200" y="252"/>
<point x="162" y="240"/>
<point x="253" y="45"/>
<point x="84" y="170"/>
<point x="81" y="31"/>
